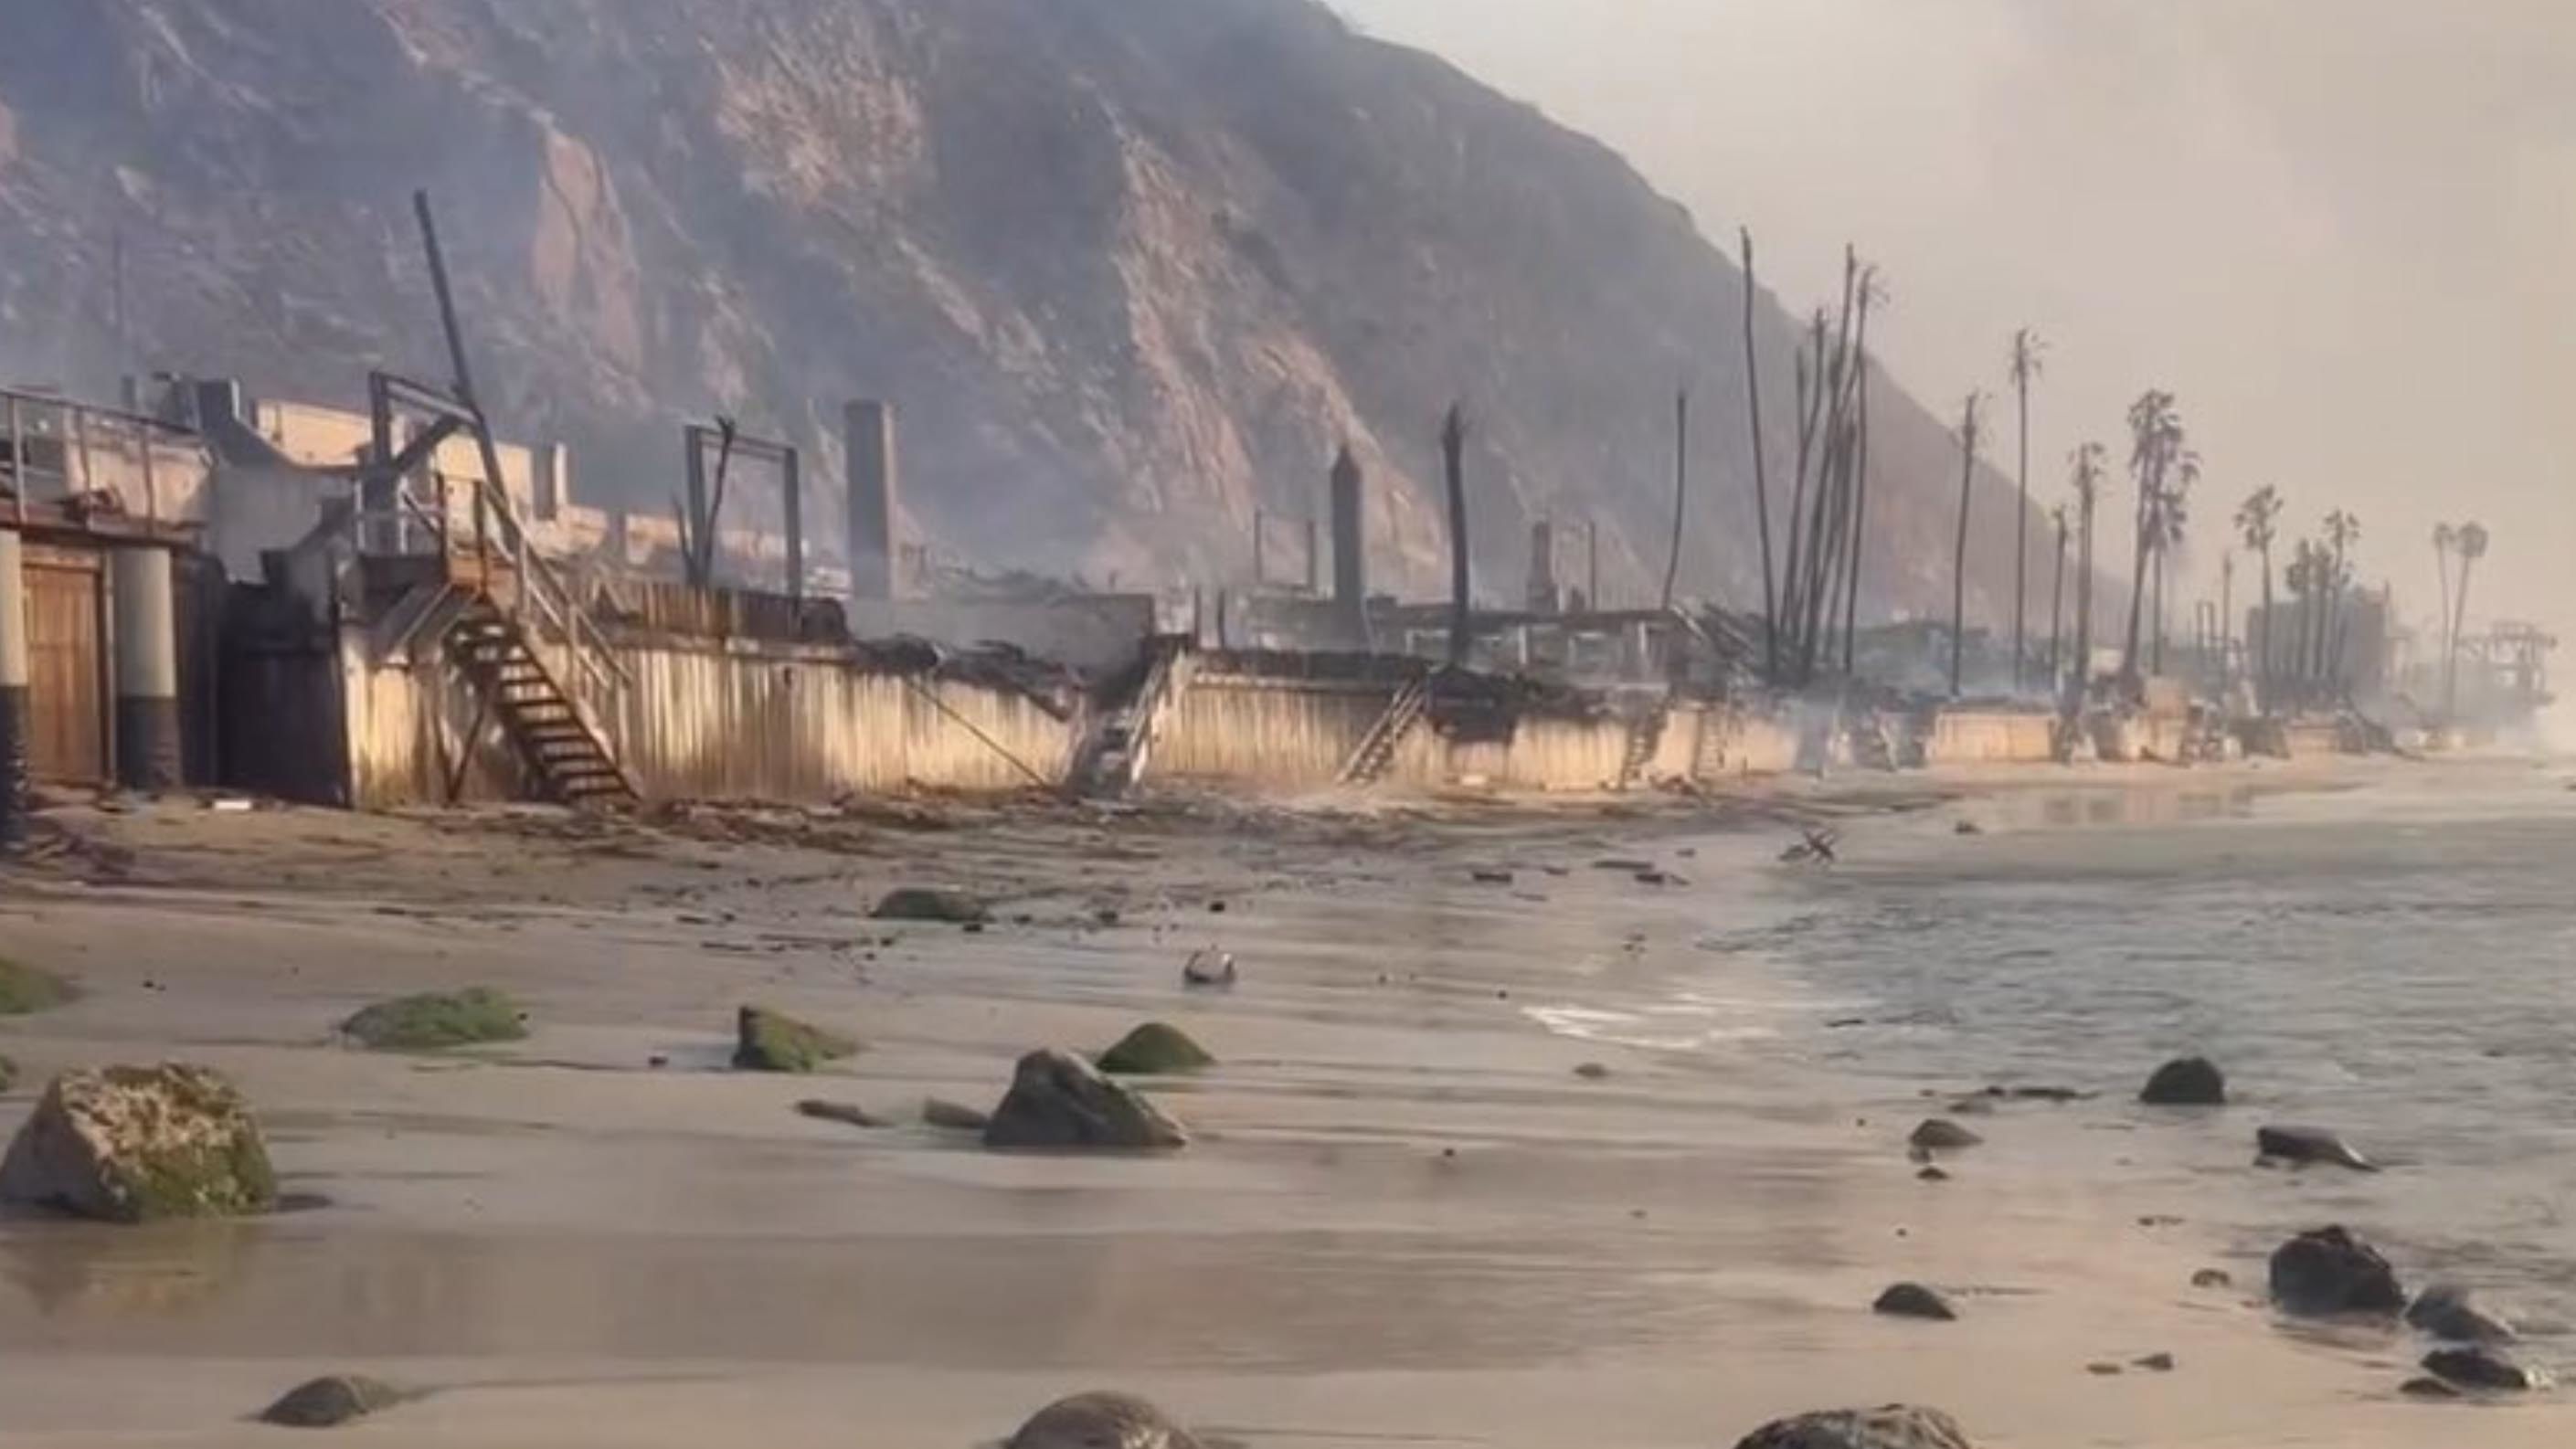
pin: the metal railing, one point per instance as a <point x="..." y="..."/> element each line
<point x="86" y="450"/>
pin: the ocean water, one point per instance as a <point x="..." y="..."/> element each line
<point x="2394" y="958"/>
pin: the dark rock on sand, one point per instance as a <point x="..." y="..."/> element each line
<point x="2447" y="1310"/>
<point x="434" y="1020"/>
<point x="2427" y="1387"/>
<point x="2329" y="1271"/>
<point x="326" y="1403"/>
<point x="1913" y="1300"/>
<point x="1932" y="1174"/>
<point x="1209" y="968"/>
<point x="2213" y="1278"/>
<point x="772" y="1041"/>
<point x="2188" y="1082"/>
<point x="2310" y="1144"/>
<point x="1057" y="1100"/>
<point x="1939" y="1134"/>
<point x="1591" y="1071"/>
<point x="1490" y="877"/>
<point x="135" y="1144"/>
<point x="1155" y="1049"/>
<point x="930" y="903"/>
<point x="829" y="1111"/>
<point x="1101" y="1421"/>
<point x="2155" y="1363"/>
<point x="1898" y="1426"/>
<point x="954" y="1116"/>
<point x="2480" y="1368"/>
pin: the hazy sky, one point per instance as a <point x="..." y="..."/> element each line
<point x="2343" y="232"/>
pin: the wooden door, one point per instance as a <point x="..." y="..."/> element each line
<point x="67" y="736"/>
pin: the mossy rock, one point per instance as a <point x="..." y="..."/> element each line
<point x="437" y="1019"/>
<point x="134" y="1144"/>
<point x="25" y="989"/>
<point x="1155" y="1049"/>
<point x="771" y="1041"/>
<point x="329" y="1402"/>
<point x="928" y="903"/>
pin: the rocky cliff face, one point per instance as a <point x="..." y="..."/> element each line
<point x="1132" y="269"/>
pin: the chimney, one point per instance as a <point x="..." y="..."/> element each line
<point x="1350" y="545"/>
<point x="868" y="429"/>
<point x="1542" y="568"/>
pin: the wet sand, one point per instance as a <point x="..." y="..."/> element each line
<point x="1404" y="1217"/>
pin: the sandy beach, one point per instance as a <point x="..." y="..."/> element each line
<point x="1403" y="1217"/>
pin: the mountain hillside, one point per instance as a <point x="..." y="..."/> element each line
<point x="1131" y="269"/>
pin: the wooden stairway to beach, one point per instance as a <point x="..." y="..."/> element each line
<point x="1375" y="753"/>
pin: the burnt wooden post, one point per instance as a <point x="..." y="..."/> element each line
<point x="795" y="509"/>
<point x="14" y="717"/>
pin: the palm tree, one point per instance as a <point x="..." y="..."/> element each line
<point x="2025" y="365"/>
<point x="2057" y="595"/>
<point x="2257" y="520"/>
<point x="2342" y="532"/>
<point x="1968" y="429"/>
<point x="2471" y="541"/>
<point x="2172" y="512"/>
<point x="2155" y="439"/>
<point x="2301" y="579"/>
<point x="2445" y="539"/>
<point x="2089" y="462"/>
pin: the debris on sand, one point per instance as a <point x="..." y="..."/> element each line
<point x="1815" y="847"/>
<point x="330" y="1401"/>
<point x="436" y="1020"/>
<point x="953" y="1116"/>
<point x="846" y="1112"/>
<point x="1101" y="1420"/>
<point x="931" y="903"/>
<point x="1057" y="1101"/>
<point x="1156" y="1049"/>
<point x="772" y="1041"/>
<point x="134" y="1144"/>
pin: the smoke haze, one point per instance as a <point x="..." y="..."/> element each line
<point x="2338" y="230"/>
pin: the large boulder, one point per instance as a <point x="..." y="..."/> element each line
<point x="772" y="1041"/>
<point x="131" y="1144"/>
<point x="2329" y="1271"/>
<point x="1897" y="1426"/>
<point x="436" y="1020"/>
<point x="1101" y="1421"/>
<point x="929" y="903"/>
<point x="2188" y="1082"/>
<point x="1155" y="1049"/>
<point x="25" y="989"/>
<point x="327" y="1403"/>
<point x="1058" y="1100"/>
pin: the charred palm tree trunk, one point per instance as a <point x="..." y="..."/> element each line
<point x="1761" y="485"/>
<point x="1453" y="449"/>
